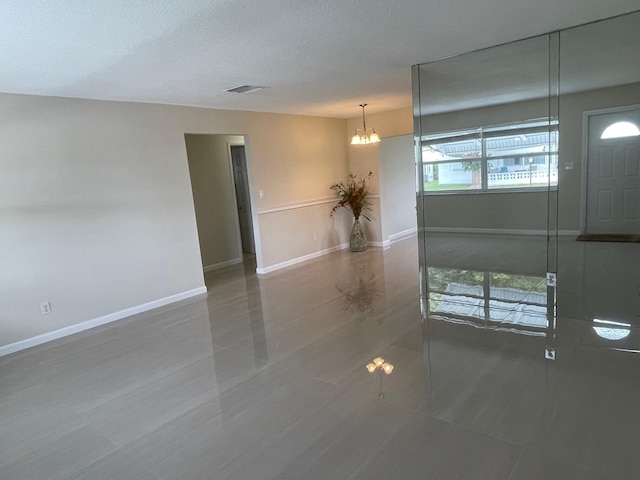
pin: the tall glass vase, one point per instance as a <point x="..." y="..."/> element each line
<point x="357" y="240"/>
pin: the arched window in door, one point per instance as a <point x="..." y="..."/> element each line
<point x="620" y="129"/>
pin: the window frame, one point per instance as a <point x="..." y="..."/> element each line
<point x="482" y="134"/>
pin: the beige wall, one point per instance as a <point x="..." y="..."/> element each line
<point x="387" y="124"/>
<point x="366" y="158"/>
<point x="214" y="197"/>
<point x="299" y="232"/>
<point x="96" y="209"/>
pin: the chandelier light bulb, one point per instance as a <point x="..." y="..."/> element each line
<point x="365" y="135"/>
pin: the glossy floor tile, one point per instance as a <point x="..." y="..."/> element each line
<point x="495" y="374"/>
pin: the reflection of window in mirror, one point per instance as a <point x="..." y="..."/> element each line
<point x="516" y="303"/>
<point x="504" y="157"/>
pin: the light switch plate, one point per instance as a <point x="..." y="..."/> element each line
<point x="550" y="353"/>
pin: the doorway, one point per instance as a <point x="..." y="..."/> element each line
<point x="612" y="177"/>
<point x="221" y="198"/>
<point x="243" y="200"/>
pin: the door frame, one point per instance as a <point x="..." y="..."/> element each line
<point x="585" y="155"/>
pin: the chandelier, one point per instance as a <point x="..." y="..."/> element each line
<point x="364" y="135"/>
<point x="379" y="364"/>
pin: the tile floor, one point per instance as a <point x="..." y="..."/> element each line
<point x="265" y="378"/>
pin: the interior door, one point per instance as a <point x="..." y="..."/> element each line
<point x="242" y="198"/>
<point x="613" y="177"/>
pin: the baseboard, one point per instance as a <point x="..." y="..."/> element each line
<point x="385" y="244"/>
<point x="497" y="231"/>
<point x="216" y="266"/>
<point x="590" y="237"/>
<point x="304" y="258"/>
<point x="96" y="322"/>
<point x="396" y="237"/>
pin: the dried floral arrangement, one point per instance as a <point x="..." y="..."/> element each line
<point x="353" y="194"/>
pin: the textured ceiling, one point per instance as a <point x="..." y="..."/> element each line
<point x="316" y="58"/>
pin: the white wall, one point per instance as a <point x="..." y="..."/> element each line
<point x="397" y="186"/>
<point x="96" y="209"/>
<point x="214" y="198"/>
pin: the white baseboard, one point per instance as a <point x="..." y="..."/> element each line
<point x="216" y="266"/>
<point x="96" y="322"/>
<point x="396" y="237"/>
<point x="304" y="258"/>
<point x="497" y="231"/>
<point x="385" y="244"/>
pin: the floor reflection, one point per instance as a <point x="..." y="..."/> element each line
<point x="466" y="372"/>
<point x="516" y="303"/>
<point x="599" y="281"/>
<point x="501" y="359"/>
<point x="360" y="287"/>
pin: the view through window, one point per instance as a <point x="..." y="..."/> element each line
<point x="505" y="157"/>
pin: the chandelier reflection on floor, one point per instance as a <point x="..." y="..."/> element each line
<point x="378" y="365"/>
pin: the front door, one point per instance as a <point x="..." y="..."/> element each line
<point x="613" y="176"/>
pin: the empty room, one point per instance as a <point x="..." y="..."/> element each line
<point x="343" y="240"/>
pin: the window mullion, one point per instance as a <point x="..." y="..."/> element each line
<point x="484" y="169"/>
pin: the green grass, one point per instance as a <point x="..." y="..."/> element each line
<point x="435" y="186"/>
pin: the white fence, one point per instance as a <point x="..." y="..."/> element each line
<point x="522" y="178"/>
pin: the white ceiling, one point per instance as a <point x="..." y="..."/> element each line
<point x="320" y="57"/>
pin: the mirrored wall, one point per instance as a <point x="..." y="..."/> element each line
<point x="526" y="154"/>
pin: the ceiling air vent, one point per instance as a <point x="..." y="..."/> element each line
<point x="244" y="89"/>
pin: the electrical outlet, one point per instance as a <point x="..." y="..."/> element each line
<point x="261" y="194"/>
<point x="552" y="279"/>
<point x="45" y="308"/>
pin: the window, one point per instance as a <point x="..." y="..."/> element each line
<point x="505" y="157"/>
<point x="620" y="130"/>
